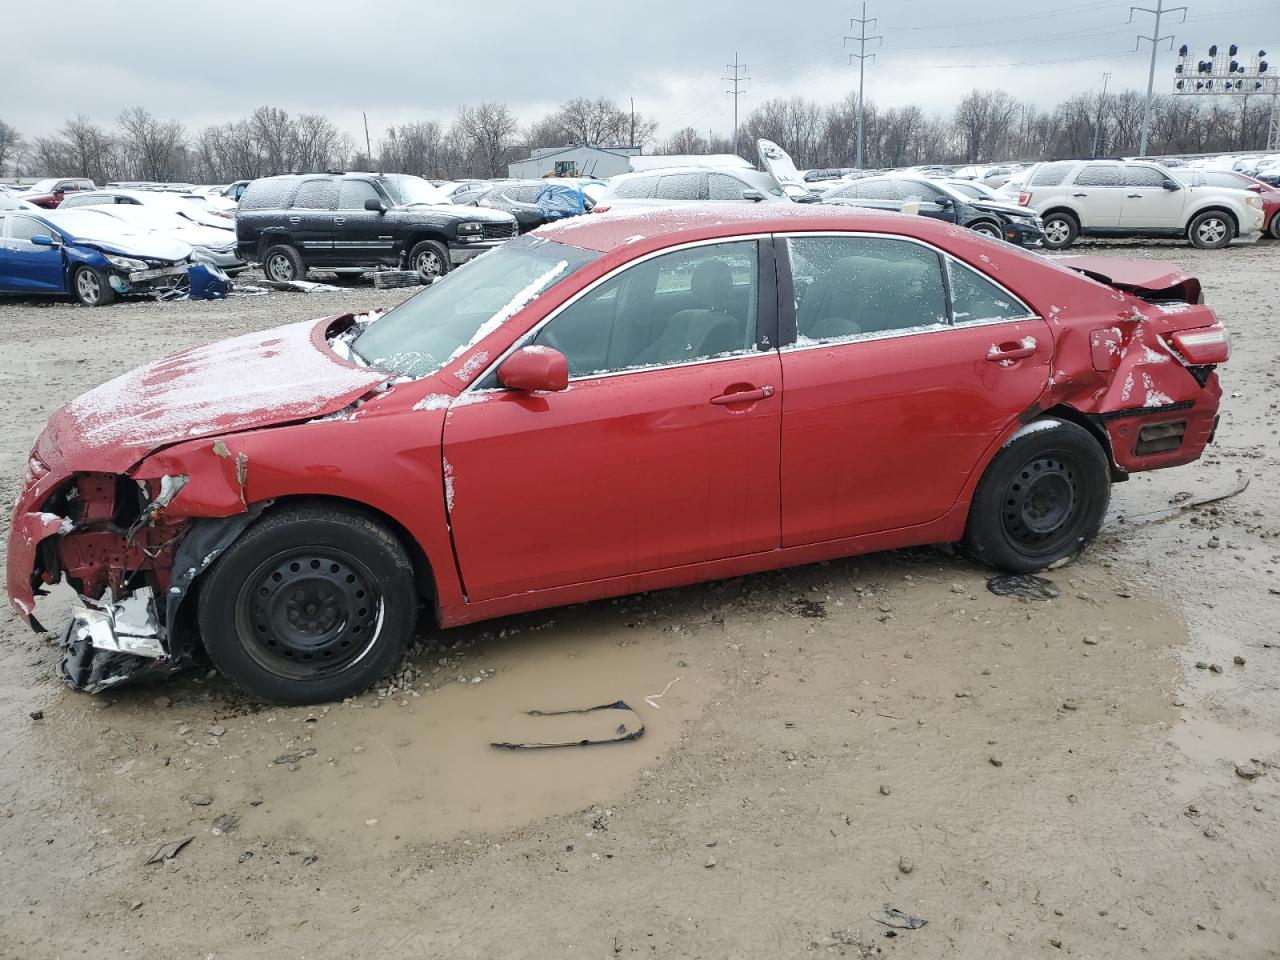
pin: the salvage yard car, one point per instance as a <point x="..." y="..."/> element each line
<point x="612" y="404"/>
<point x="1131" y="199"/>
<point x="290" y="224"/>
<point x="87" y="256"/>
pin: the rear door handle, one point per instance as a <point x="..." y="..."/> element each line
<point x="1079" y="194"/>
<point x="1133" y="196"/>
<point x="1014" y="350"/>
<point x="339" y="219"/>
<point x="743" y="396"/>
<point x="295" y="219"/>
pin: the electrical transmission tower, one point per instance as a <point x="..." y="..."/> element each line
<point x="738" y="78"/>
<point x="1097" y="123"/>
<point x="863" y="24"/>
<point x="1155" y="40"/>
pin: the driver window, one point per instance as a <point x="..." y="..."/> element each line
<point x="683" y="306"/>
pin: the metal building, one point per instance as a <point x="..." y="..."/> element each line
<point x="581" y="161"/>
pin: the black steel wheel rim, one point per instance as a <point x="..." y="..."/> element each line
<point x="1043" y="504"/>
<point x="310" y="613"/>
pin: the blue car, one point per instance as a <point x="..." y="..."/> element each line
<point x="85" y="255"/>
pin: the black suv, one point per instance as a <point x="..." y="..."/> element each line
<point x="357" y="221"/>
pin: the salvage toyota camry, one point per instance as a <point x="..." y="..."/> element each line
<point x="620" y="403"/>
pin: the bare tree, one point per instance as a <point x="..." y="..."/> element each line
<point x="487" y="136"/>
<point x="982" y="121"/>
<point x="276" y="137"/>
<point x="317" y="143"/>
<point x="10" y="144"/>
<point x="598" y="122"/>
<point x="151" y="149"/>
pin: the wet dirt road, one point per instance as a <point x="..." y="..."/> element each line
<point x="1034" y="779"/>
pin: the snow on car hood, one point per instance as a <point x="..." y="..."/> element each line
<point x="257" y="380"/>
<point x="115" y="236"/>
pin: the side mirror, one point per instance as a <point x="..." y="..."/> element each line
<point x="377" y="206"/>
<point x="535" y="368"/>
<point x="943" y="202"/>
<point x="753" y="195"/>
<point x="44" y="240"/>
<point x="1170" y="184"/>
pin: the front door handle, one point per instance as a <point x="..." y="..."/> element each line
<point x="1133" y="196"/>
<point x="743" y="396"/>
<point x="295" y="219"/>
<point x="339" y="219"/>
<point x="1014" y="350"/>
<point x="1079" y="194"/>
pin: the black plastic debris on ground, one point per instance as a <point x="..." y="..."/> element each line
<point x="1023" y="586"/>
<point x="891" y="917"/>
<point x="809" y="608"/>
<point x="626" y="725"/>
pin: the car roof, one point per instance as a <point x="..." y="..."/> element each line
<point x="658" y="227"/>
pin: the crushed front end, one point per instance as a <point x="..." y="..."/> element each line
<point x="105" y="536"/>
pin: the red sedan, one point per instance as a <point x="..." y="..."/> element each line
<point x="1269" y="195"/>
<point x="616" y="404"/>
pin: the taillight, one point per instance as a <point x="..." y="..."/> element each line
<point x="1024" y="198"/>
<point x="599" y="209"/>
<point x="1201" y="347"/>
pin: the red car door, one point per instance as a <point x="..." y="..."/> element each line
<point x="646" y="461"/>
<point x="893" y="391"/>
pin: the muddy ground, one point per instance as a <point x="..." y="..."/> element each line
<point x="1034" y="779"/>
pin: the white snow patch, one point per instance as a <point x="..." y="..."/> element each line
<point x="434" y="401"/>
<point x="1035" y="426"/>
<point x="1127" y="391"/>
<point x="1154" y="397"/>
<point x="473" y="365"/>
<point x="448" y="484"/>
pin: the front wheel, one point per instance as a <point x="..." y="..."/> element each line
<point x="1211" y="230"/>
<point x="430" y="260"/>
<point x="91" y="287"/>
<point x="1274" y="229"/>
<point x="311" y="604"/>
<point x="1042" y="499"/>
<point x="988" y="229"/>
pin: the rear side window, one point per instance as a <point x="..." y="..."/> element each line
<point x="316" y="195"/>
<point x="848" y="287"/>
<point x="270" y="194"/>
<point x="1050" y="174"/>
<point x="353" y="193"/>
<point x="1227" y="180"/>
<point x="975" y="299"/>
<point x="1100" y="175"/>
<point x="682" y="186"/>
<point x="1144" y="177"/>
<point x="640" y="188"/>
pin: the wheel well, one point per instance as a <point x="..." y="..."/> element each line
<point x="423" y="572"/>
<point x="416" y="238"/>
<point x="1225" y="211"/>
<point x="1072" y="415"/>
<point x="271" y="239"/>
<point x="981" y="221"/>
<point x="1065" y="211"/>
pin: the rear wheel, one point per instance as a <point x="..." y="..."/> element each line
<point x="1211" y="230"/>
<point x="1060" y="230"/>
<point x="282" y="263"/>
<point x="1042" y="499"/>
<point x="91" y="286"/>
<point x="1274" y="229"/>
<point x="430" y="260"/>
<point x="310" y="604"/>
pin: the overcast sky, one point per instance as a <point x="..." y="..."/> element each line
<point x="402" y="61"/>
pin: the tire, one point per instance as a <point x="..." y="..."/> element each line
<point x="91" y="287"/>
<point x="1274" y="229"/>
<point x="311" y="604"/>
<point x="282" y="263"/>
<point x="988" y="229"/>
<point x="1042" y="498"/>
<point x="1060" y="230"/>
<point x="430" y="260"/>
<point x="1211" y="230"/>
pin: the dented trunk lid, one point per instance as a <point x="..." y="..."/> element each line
<point x="1148" y="279"/>
<point x="243" y="383"/>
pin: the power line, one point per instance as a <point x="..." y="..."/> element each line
<point x="1155" y="40"/>
<point x="738" y="78"/>
<point x="1084" y="8"/>
<point x="862" y="57"/>
<point x="1057" y="35"/>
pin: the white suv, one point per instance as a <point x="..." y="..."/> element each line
<point x="1131" y="198"/>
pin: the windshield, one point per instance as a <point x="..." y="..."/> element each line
<point x="42" y="186"/>
<point x="428" y="330"/>
<point x="406" y="190"/>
